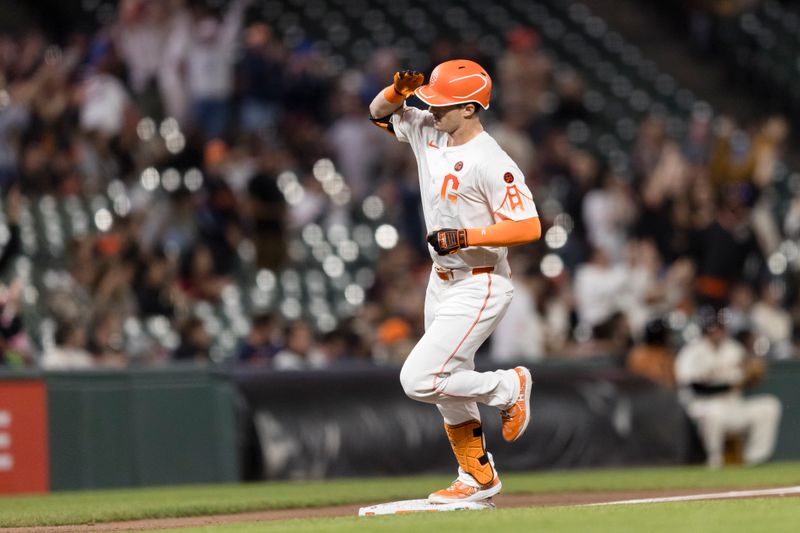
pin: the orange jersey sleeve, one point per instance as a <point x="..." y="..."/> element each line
<point x="506" y="233"/>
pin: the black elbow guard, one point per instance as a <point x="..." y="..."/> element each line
<point x="384" y="123"/>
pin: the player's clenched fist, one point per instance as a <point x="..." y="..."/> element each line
<point x="406" y="81"/>
<point x="448" y="241"/>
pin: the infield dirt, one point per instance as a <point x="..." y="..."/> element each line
<point x="502" y="501"/>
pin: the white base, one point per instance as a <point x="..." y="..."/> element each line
<point x="422" y="506"/>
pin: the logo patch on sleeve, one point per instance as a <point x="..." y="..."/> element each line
<point x="459" y="166"/>
<point x="508" y="177"/>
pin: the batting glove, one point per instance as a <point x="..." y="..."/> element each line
<point x="406" y="81"/>
<point x="448" y="241"/>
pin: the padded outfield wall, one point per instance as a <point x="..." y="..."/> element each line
<point x="100" y="429"/>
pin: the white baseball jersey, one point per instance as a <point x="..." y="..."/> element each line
<point x="472" y="185"/>
<point x="468" y="186"/>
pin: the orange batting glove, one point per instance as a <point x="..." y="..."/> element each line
<point x="404" y="84"/>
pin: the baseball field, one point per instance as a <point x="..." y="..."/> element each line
<point x="541" y="501"/>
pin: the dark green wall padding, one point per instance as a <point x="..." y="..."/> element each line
<point x="177" y="425"/>
<point x="783" y="380"/>
<point x="141" y="428"/>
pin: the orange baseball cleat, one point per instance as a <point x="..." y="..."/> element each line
<point x="516" y="417"/>
<point x="459" y="491"/>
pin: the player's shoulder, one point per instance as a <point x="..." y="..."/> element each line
<point x="493" y="156"/>
<point x="413" y="114"/>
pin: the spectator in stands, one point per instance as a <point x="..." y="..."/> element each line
<point x="740" y="308"/>
<point x="141" y="36"/>
<point x="659" y="191"/>
<point x="570" y="89"/>
<point x="512" y="136"/>
<point x="653" y="358"/>
<point x="599" y="286"/>
<point x="261" y="77"/>
<point x="299" y="349"/>
<point x="105" y="104"/>
<point x="15" y="349"/>
<point x="155" y="287"/>
<point x="170" y="224"/>
<point x="114" y="287"/>
<point x="308" y="91"/>
<point x="581" y="173"/>
<point x="608" y="212"/>
<point x="520" y="335"/>
<point x="649" y="143"/>
<point x="791" y="222"/>
<point x="610" y="337"/>
<point x="260" y="346"/>
<point x="70" y="298"/>
<point x="69" y="351"/>
<point x="198" y="279"/>
<point x="724" y="247"/>
<point x="195" y="343"/>
<point x="342" y="347"/>
<point x="349" y="134"/>
<point x="523" y="74"/>
<point x="772" y="320"/>
<point x="15" y="115"/>
<point x="646" y="292"/>
<point x="209" y="46"/>
<point x="712" y="372"/>
<point x="732" y="158"/>
<point x="13" y="244"/>
<point x="769" y="145"/>
<point x="267" y="211"/>
<point x="107" y="341"/>
<point x="699" y="137"/>
<point x="556" y="307"/>
<point x="393" y="341"/>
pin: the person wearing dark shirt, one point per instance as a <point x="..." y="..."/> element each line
<point x="268" y="208"/>
<point x="261" y="73"/>
<point x="152" y="287"/>
<point x="258" y="347"/>
<point x="724" y="248"/>
<point x="195" y="342"/>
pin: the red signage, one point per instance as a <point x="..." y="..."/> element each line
<point x="24" y="464"/>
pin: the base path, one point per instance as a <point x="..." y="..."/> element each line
<point x="502" y="501"/>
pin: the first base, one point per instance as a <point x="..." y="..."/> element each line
<point x="422" y="506"/>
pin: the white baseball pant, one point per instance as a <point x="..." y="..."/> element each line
<point x="759" y="416"/>
<point x="459" y="316"/>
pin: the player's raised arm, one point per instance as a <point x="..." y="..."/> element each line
<point x="392" y="97"/>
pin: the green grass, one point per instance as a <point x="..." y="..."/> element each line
<point x="741" y="516"/>
<point x="84" y="507"/>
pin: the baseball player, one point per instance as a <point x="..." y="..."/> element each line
<point x="476" y="204"/>
<point x="712" y="371"/>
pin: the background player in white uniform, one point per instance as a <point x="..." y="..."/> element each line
<point x="712" y="372"/>
<point x="475" y="203"/>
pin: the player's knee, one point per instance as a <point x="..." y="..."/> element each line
<point x="411" y="382"/>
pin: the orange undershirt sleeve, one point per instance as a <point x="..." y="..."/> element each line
<point x="506" y="233"/>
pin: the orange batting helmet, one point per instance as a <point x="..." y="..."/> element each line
<point x="457" y="82"/>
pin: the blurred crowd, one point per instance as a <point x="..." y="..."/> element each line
<point x="220" y="99"/>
